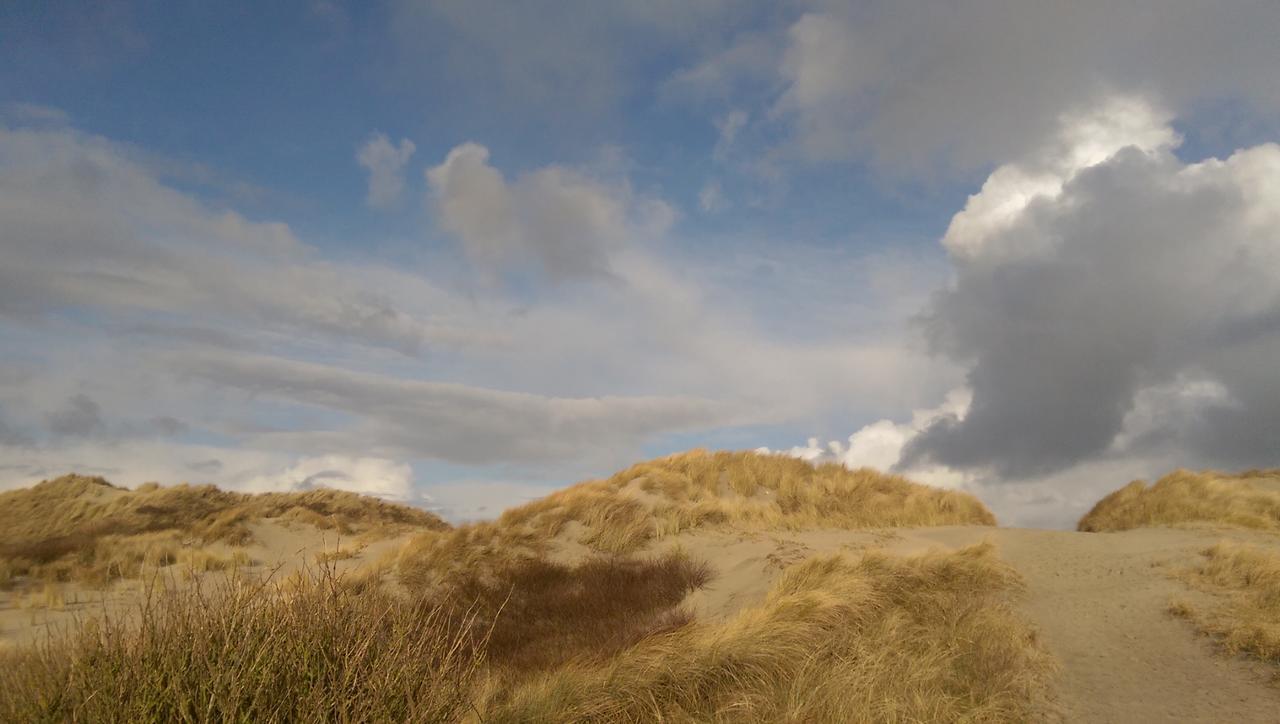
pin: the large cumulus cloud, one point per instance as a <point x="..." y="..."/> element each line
<point x="1107" y="275"/>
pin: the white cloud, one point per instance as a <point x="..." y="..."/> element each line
<point x="385" y="163"/>
<point x="88" y="227"/>
<point x="141" y="321"/>
<point x="460" y="501"/>
<point x="880" y="445"/>
<point x="368" y="476"/>
<point x="723" y="74"/>
<point x="558" y="218"/>
<point x="1085" y="139"/>
<point x="449" y="421"/>
<point x="711" y="197"/>
<point x="729" y="126"/>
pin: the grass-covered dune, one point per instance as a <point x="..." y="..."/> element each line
<point x="79" y="528"/>
<point x="1250" y="499"/>
<point x="741" y="491"/>
<point x="846" y="635"/>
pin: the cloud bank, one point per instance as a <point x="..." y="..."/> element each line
<point x="1116" y="307"/>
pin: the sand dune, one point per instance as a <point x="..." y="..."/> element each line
<point x="1098" y="603"/>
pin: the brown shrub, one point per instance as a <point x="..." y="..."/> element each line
<point x="545" y="613"/>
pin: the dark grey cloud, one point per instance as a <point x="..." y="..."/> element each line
<point x="166" y="426"/>
<point x="983" y="81"/>
<point x="11" y="437"/>
<point x="1145" y="273"/>
<point x="81" y="416"/>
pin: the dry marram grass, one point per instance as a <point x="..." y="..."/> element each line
<point x="323" y="649"/>
<point x="875" y="638"/>
<point x="85" y="529"/>
<point x="880" y="639"/>
<point x="1246" y="581"/>
<point x="1246" y="500"/>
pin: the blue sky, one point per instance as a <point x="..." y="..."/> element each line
<point x="475" y="250"/>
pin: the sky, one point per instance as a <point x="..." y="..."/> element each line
<point x="461" y="253"/>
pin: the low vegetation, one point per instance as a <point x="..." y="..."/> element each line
<point x="698" y="489"/>
<point x="876" y="639"/>
<point x="1246" y="584"/>
<point x="1245" y="500"/>
<point x="324" y="648"/>
<point x="78" y="528"/>
<point x="872" y="638"/>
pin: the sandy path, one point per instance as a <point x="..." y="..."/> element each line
<point x="1099" y="600"/>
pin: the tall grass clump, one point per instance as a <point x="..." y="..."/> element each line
<point x="877" y="639"/>
<point x="743" y="491"/>
<point x="1244" y="500"/>
<point x="322" y="649"/>
<point x="1246" y="580"/>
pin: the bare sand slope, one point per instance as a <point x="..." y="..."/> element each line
<point x="1099" y="600"/>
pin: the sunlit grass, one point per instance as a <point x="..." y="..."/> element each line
<point x="1246" y="584"/>
<point x="84" y="529"/>
<point x="1246" y="500"/>
<point x="877" y="639"/>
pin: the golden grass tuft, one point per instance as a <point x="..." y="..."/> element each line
<point x="1249" y="499"/>
<point x="1246" y="580"/>
<point x="88" y="530"/>
<point x="323" y="649"/>
<point x="730" y="490"/>
<point x="879" y="639"/>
